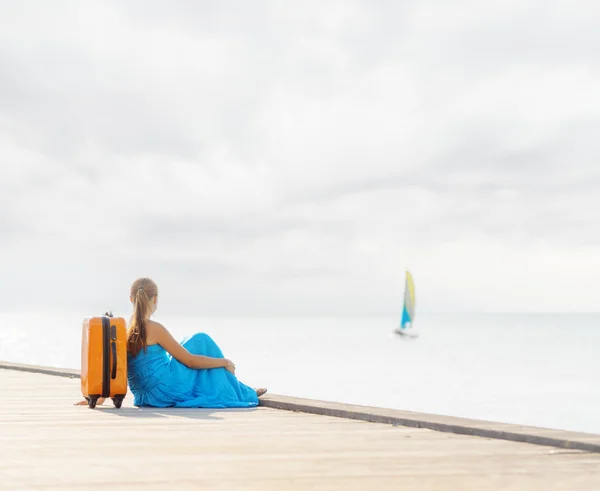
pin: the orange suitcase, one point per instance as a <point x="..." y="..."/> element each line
<point x="104" y="359"/>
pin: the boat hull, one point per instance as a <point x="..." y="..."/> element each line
<point x="406" y="333"/>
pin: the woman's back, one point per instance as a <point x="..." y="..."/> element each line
<point x="146" y="370"/>
<point x="152" y="332"/>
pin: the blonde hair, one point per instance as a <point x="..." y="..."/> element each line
<point x="143" y="291"/>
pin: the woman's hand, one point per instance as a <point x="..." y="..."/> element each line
<point x="229" y="366"/>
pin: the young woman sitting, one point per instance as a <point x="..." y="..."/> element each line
<point x="164" y="373"/>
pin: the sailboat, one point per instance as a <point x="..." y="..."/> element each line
<point x="406" y="327"/>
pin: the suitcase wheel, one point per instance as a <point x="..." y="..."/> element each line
<point x="92" y="402"/>
<point x="117" y="401"/>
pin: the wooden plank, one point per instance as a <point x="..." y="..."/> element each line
<point x="47" y="443"/>
<point x="23" y="367"/>
<point x="528" y="434"/>
<point x="488" y="429"/>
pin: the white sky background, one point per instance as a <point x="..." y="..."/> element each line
<point x="295" y="158"/>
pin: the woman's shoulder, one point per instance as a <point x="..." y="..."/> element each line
<point x="154" y="326"/>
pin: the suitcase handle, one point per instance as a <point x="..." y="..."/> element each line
<point x="113" y="347"/>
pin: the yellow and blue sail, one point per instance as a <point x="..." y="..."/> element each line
<point x="408" y="312"/>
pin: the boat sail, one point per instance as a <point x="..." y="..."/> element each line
<point x="408" y="311"/>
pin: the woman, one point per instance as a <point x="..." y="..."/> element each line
<point x="164" y="373"/>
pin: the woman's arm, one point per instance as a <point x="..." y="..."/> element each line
<point x="164" y="338"/>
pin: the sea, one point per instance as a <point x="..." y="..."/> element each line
<point x="529" y="369"/>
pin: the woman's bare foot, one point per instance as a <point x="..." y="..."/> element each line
<point x="85" y="402"/>
<point x="260" y="392"/>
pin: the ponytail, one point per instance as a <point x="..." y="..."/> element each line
<point x="143" y="292"/>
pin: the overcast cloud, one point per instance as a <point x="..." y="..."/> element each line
<point x="295" y="158"/>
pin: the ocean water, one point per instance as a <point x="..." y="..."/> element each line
<point x="534" y="369"/>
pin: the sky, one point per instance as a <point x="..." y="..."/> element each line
<point x="279" y="158"/>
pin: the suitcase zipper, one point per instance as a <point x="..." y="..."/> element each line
<point x="105" y="356"/>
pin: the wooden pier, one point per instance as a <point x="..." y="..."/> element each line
<point x="46" y="443"/>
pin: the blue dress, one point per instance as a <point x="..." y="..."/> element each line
<point x="156" y="379"/>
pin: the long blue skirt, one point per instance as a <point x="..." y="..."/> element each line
<point x="156" y="379"/>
